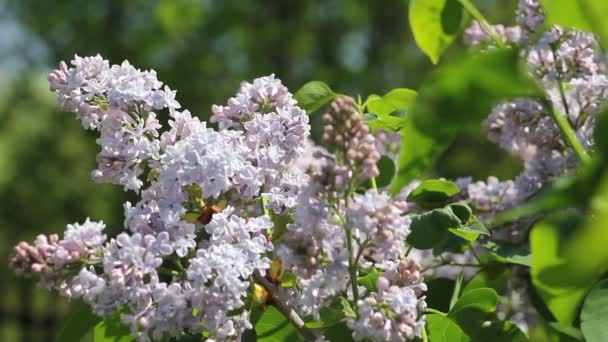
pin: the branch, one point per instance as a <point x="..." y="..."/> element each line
<point x="285" y="309"/>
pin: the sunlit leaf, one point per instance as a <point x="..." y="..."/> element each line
<point x="313" y="95"/>
<point x="433" y="193"/>
<point x="481" y="299"/>
<point x="385" y="122"/>
<point x="443" y="329"/>
<point x="434" y="24"/>
<point x="394" y="100"/>
<point x="274" y="327"/>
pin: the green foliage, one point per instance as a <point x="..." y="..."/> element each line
<point x="112" y="329"/>
<point x="370" y="280"/>
<point x="386" y="122"/>
<point x="481" y="299"/>
<point x="491" y="276"/>
<point x="431" y="228"/>
<point x="444" y="329"/>
<point x="339" y="333"/>
<point x="395" y="100"/>
<point x="434" y="24"/>
<point x="80" y="321"/>
<point x="594" y="314"/>
<point x="549" y="266"/>
<point x="274" y="327"/>
<point x="333" y="314"/>
<point x="445" y="105"/>
<point x="439" y="293"/>
<point x="506" y="251"/>
<point x="433" y="193"/>
<point x="313" y="95"/>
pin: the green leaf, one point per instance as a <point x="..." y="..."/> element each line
<point x="438" y="294"/>
<point x="394" y="100"/>
<point x="80" y="321"/>
<point x="549" y="269"/>
<point x="385" y="122"/>
<point x="431" y="228"/>
<point x="112" y="329"/>
<point x="433" y="193"/>
<point x="333" y="314"/>
<point x="288" y="279"/>
<point x="443" y="329"/>
<point x="370" y="280"/>
<point x="274" y="327"/>
<point x="338" y="333"/>
<point x="480" y="326"/>
<point x="594" y="316"/>
<point x="508" y="252"/>
<point x="455" y="96"/>
<point x="494" y="276"/>
<point x="475" y="227"/>
<point x="387" y="172"/>
<point x="568" y="331"/>
<point x="481" y="299"/>
<point x="434" y="24"/>
<point x="313" y="95"/>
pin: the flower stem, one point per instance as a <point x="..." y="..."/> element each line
<point x="470" y="7"/>
<point x="352" y="265"/>
<point x="433" y="311"/>
<point x="566" y="129"/>
<point x="424" y="337"/>
<point x="373" y="182"/>
<point x="285" y="309"/>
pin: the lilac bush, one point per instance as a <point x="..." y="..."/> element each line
<point x="245" y="220"/>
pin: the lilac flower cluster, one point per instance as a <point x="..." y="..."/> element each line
<point x="391" y="314"/>
<point x="338" y="233"/>
<point x="117" y="101"/>
<point x="349" y="138"/>
<point x="569" y="65"/>
<point x="182" y="260"/>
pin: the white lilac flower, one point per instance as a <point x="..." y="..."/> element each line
<point x="274" y="132"/>
<point x="476" y="35"/>
<point x="117" y="101"/>
<point x="564" y="54"/>
<point x="530" y="15"/>
<point x="394" y="313"/>
<point x="314" y="235"/>
<point x="377" y="221"/>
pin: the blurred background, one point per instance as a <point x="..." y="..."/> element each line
<point x="203" y="49"/>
